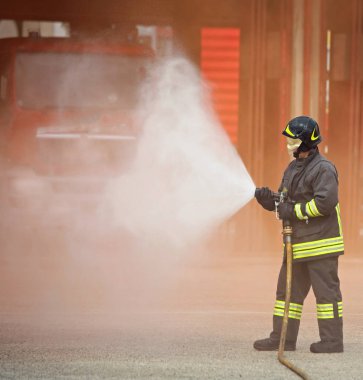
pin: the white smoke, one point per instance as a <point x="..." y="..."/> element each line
<point x="187" y="177"/>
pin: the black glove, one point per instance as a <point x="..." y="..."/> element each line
<point x="265" y="198"/>
<point x="286" y="211"/>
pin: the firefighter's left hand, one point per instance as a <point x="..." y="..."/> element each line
<point x="286" y="211"/>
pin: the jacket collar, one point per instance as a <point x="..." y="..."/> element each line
<point x="303" y="162"/>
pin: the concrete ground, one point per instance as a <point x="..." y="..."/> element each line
<point x="203" y="329"/>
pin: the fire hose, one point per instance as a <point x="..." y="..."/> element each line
<point x="287" y="233"/>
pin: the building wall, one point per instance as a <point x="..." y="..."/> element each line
<point x="296" y="56"/>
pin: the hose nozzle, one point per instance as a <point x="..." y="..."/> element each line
<point x="277" y="197"/>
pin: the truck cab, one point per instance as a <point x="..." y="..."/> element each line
<point x="66" y="115"/>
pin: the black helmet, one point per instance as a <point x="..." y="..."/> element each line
<point x="305" y="129"/>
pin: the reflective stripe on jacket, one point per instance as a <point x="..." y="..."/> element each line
<point x="312" y="183"/>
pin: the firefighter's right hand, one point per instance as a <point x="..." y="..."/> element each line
<point x="264" y="196"/>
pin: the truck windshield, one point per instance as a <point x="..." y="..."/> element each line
<point x="77" y="80"/>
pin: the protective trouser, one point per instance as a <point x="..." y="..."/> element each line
<point x="322" y="276"/>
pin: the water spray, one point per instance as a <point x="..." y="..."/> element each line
<point x="186" y="177"/>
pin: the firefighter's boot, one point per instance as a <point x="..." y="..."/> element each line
<point x="331" y="335"/>
<point x="269" y="344"/>
<point x="326" y="347"/>
<point x="272" y="343"/>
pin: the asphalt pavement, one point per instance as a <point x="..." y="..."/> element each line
<point x="204" y="328"/>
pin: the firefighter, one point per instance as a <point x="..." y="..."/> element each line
<point x="311" y="185"/>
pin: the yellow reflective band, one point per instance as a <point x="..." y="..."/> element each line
<point x="295" y="309"/>
<point x="278" y="313"/>
<point x="308" y="210"/>
<point x="337" y="208"/>
<point x="313" y="137"/>
<point x="340" y="309"/>
<point x="293" y="306"/>
<point x="313" y="208"/>
<point x="296" y="306"/>
<point x="318" y="247"/>
<point x="287" y="130"/>
<point x="325" y="315"/>
<point x="325" y="310"/>
<point x="279" y="303"/>
<point x="317" y="243"/>
<point x="298" y="212"/>
<point x="327" y="247"/>
<point x="319" y="251"/>
<point x="324" y="307"/>
<point x="292" y="314"/>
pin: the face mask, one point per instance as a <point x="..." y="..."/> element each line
<point x="292" y="145"/>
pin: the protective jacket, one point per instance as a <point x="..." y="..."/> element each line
<point x="312" y="184"/>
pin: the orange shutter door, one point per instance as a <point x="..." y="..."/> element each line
<point x="220" y="65"/>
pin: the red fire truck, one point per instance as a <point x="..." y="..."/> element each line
<point x="66" y="120"/>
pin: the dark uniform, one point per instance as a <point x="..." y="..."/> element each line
<point x="311" y="185"/>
